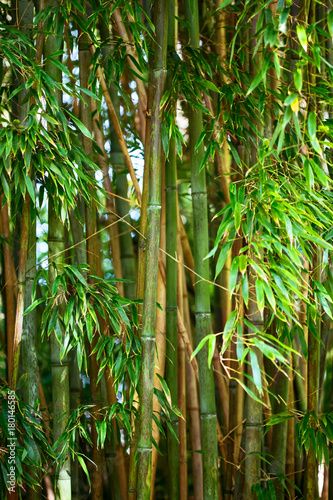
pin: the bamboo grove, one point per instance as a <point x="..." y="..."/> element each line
<point x="166" y="237"/>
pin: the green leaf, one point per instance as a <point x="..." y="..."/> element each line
<point x="270" y="296"/>
<point x="237" y="213"/>
<point x="256" y="371"/>
<point x="260" y="294"/>
<point x="308" y="174"/>
<point x="222" y="258"/>
<point x="80" y="125"/>
<point x="233" y="274"/>
<point x="245" y="289"/>
<point x="290" y="99"/>
<point x="301" y="33"/>
<point x="211" y="349"/>
<point x="255" y="82"/>
<point x="84" y="467"/>
<point x="210" y="85"/>
<point x="33" y="305"/>
<point x="201" y="344"/>
<point x="298" y="79"/>
<point x="224" y="4"/>
<point x="312" y="125"/>
<point x="330" y="22"/>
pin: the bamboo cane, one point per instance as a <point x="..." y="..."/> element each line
<point x="193" y="405"/>
<point x="9" y="288"/>
<point x="181" y="372"/>
<point x="91" y="248"/>
<point x="171" y="293"/>
<point x="152" y="254"/>
<point x="202" y="295"/>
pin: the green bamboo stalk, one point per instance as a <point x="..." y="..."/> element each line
<point x="279" y="438"/>
<point x="132" y="476"/>
<point x="254" y="424"/>
<point x="171" y="290"/>
<point x="330" y="469"/>
<point x="311" y="478"/>
<point x="75" y="382"/>
<point x="152" y="253"/>
<point x="29" y="334"/>
<point x="92" y="255"/>
<point x="202" y="291"/>
<point x="59" y="367"/>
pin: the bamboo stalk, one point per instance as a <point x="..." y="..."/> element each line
<point x="279" y="438"/>
<point x="29" y="334"/>
<point x="202" y="294"/>
<point x="9" y="288"/>
<point x="290" y="449"/>
<point x="120" y="458"/>
<point x="59" y="368"/>
<point x="159" y="368"/>
<point x="152" y="257"/>
<point x="253" y="426"/>
<point x="181" y="369"/>
<point x="171" y="294"/>
<point x="92" y="254"/>
<point x="193" y="405"/>
<point x="132" y="482"/>
<point x="21" y="291"/>
<point x="312" y="398"/>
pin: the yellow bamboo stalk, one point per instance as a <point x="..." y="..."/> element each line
<point x="181" y="372"/>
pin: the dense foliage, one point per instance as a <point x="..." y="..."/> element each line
<point x="166" y="169"/>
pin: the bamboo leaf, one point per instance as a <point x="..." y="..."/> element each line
<point x="233" y="274"/>
<point x="222" y="258"/>
<point x="200" y="345"/>
<point x="301" y="33"/>
<point x="312" y="125"/>
<point x="211" y="349"/>
<point x="237" y="214"/>
<point x="330" y="22"/>
<point x="223" y="4"/>
<point x="260" y="294"/>
<point x="256" y="371"/>
<point x="34" y="305"/>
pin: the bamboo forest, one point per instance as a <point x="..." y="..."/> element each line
<point x="166" y="244"/>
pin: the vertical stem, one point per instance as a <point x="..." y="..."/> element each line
<point x="181" y="362"/>
<point x="253" y="426"/>
<point x="21" y="290"/>
<point x="202" y="289"/>
<point x="152" y="254"/>
<point x="92" y="255"/>
<point x="171" y="291"/>
<point x="193" y="405"/>
<point x="9" y="288"/>
<point x="59" y="367"/>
